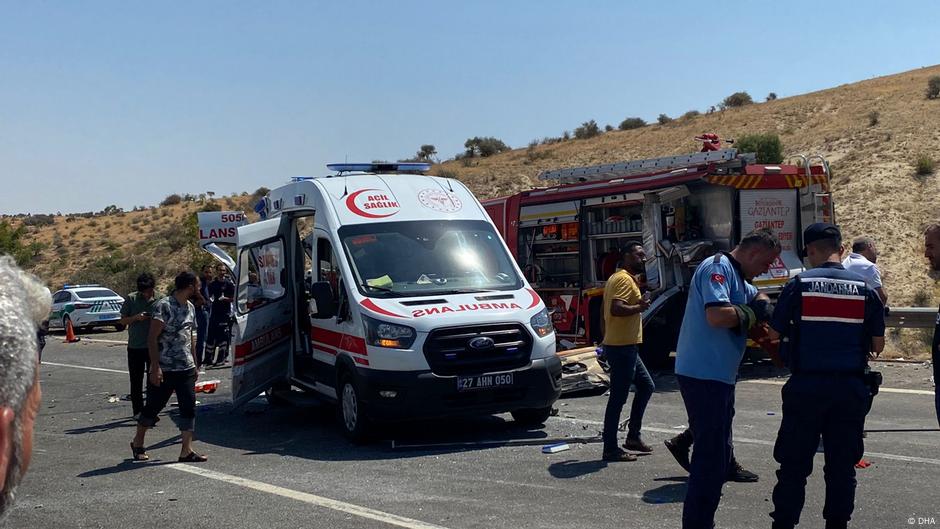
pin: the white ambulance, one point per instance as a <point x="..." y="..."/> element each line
<point x="390" y="293"/>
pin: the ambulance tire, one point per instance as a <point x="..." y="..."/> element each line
<point x="532" y="417"/>
<point x="350" y="410"/>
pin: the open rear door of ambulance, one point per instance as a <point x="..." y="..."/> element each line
<point x="264" y="310"/>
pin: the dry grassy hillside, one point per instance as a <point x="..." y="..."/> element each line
<point x="113" y="248"/>
<point x="875" y="189"/>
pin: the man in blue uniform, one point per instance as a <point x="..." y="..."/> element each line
<point x="722" y="307"/>
<point x="830" y="323"/>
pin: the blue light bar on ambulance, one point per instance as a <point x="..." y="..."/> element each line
<point x="397" y="167"/>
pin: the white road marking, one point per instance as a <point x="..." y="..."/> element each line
<point x="884" y="390"/>
<point x="85" y="367"/>
<point x="312" y="499"/>
<point x="746" y="440"/>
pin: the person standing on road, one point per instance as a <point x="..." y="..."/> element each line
<point x="221" y="292"/>
<point x="721" y="308"/>
<point x="623" y="334"/>
<point x="173" y="366"/>
<point x="830" y="323"/>
<point x="202" y="314"/>
<point x="24" y="303"/>
<point x="135" y="314"/>
<point x="932" y="253"/>
<point x="862" y="261"/>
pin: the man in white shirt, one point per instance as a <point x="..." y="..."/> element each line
<point x="862" y="261"/>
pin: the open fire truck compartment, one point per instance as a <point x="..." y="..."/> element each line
<point x="566" y="237"/>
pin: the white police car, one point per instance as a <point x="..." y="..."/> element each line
<point x="86" y="306"/>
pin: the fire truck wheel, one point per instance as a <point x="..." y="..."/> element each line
<point x="532" y="417"/>
<point x="351" y="410"/>
<point x="120" y="327"/>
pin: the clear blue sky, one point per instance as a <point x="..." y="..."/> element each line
<point x="125" y="102"/>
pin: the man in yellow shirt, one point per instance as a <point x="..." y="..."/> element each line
<point x="623" y="334"/>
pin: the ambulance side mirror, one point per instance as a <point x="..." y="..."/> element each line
<point x="322" y="305"/>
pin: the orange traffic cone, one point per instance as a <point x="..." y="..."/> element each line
<point x="70" y="333"/>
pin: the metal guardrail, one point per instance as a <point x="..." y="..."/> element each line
<point x="911" y="317"/>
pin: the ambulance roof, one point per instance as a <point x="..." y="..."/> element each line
<point x="360" y="198"/>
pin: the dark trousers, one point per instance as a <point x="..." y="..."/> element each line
<point x="138" y="364"/>
<point x="936" y="382"/>
<point x="202" y="330"/>
<point x="684" y="439"/>
<point x="626" y="368"/>
<point x="710" y="406"/>
<point x="181" y="382"/>
<point x="830" y="406"/>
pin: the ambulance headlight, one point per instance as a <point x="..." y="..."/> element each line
<point x="542" y="323"/>
<point x="385" y="334"/>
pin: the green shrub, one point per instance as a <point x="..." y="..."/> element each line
<point x="771" y="96"/>
<point x="38" y="220"/>
<point x="933" y="87"/>
<point x="588" y="129"/>
<point x="767" y="147"/>
<point x="632" y="123"/>
<point x="691" y="114"/>
<point x="663" y="119"/>
<point x="873" y="118"/>
<point x="608" y="127"/>
<point x="924" y="165"/>
<point x="737" y="99"/>
<point x="171" y="200"/>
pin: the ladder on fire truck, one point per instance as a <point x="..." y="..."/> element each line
<point x="723" y="160"/>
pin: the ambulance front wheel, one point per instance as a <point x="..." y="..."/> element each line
<point x="351" y="410"/>
<point x="532" y="417"/>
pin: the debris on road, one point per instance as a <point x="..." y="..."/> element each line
<point x="580" y="371"/>
<point x="555" y="448"/>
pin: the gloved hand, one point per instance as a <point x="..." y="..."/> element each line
<point x="763" y="309"/>
<point x="746" y="319"/>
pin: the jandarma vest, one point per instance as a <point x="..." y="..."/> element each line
<point x="831" y="335"/>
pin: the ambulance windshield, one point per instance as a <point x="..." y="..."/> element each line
<point x="428" y="257"/>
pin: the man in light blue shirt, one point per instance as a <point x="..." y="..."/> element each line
<point x="721" y="308"/>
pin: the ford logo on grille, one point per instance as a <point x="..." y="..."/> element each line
<point x="481" y="343"/>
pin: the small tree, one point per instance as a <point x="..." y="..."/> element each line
<point x="663" y="119"/>
<point x="873" y="118"/>
<point x="588" y="129"/>
<point x="771" y="96"/>
<point x="426" y="153"/>
<point x="767" y="147"/>
<point x="691" y="114"/>
<point x="608" y="127"/>
<point x="565" y="136"/>
<point x="933" y="87"/>
<point x="483" y="147"/>
<point x="632" y="123"/>
<point x="737" y="99"/>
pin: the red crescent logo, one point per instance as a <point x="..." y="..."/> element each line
<point x="351" y="204"/>
<point x="371" y="305"/>
<point x="535" y="298"/>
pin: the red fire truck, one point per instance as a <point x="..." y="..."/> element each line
<point x="566" y="237"/>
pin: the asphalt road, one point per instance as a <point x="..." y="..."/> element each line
<point x="289" y="467"/>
